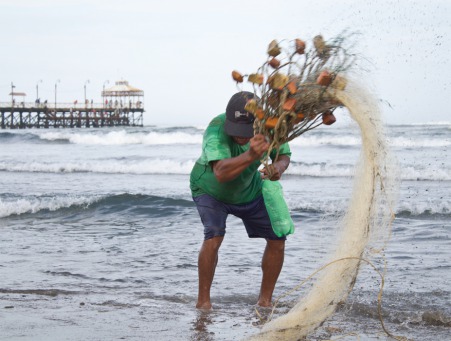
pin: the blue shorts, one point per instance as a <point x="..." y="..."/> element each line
<point x="213" y="214"/>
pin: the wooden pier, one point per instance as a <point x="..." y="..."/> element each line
<point x="121" y="106"/>
<point x="33" y="115"/>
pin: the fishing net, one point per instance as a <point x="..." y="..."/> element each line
<point x="293" y="87"/>
<point x="293" y="102"/>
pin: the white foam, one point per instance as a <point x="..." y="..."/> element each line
<point x="346" y="140"/>
<point x="339" y="206"/>
<point x="419" y="142"/>
<point x="320" y="170"/>
<point x="123" y="137"/>
<point x="313" y="141"/>
<point x="36" y="204"/>
<point x="434" y="174"/>
<point x="169" y="166"/>
<point x="155" y="166"/>
<point x="432" y="123"/>
<point x="428" y="206"/>
<point x="410" y="173"/>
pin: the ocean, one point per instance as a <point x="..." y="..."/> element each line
<point x="99" y="237"/>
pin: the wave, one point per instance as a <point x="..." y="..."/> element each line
<point x="189" y="135"/>
<point x="327" y="169"/>
<point x="424" y="209"/>
<point x="431" y="123"/>
<point x="169" y="166"/>
<point x="136" y="204"/>
<point x="19" y="206"/>
<point x="410" y="142"/>
<point x="347" y="140"/>
<point x="123" y="137"/>
<point x="418" y="174"/>
<point x="169" y="136"/>
<point x="331" y="140"/>
<point x="154" y="166"/>
<point x="133" y="204"/>
<point x="337" y="207"/>
<point x="18" y="136"/>
<point x="322" y="169"/>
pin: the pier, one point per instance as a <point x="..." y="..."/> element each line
<point x="122" y="105"/>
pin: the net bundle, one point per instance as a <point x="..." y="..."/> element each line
<point x="293" y="87"/>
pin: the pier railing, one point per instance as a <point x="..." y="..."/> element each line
<point x="73" y="106"/>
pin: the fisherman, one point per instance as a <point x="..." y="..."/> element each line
<point x="225" y="180"/>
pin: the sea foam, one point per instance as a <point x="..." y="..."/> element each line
<point x="36" y="204"/>
<point x="123" y="137"/>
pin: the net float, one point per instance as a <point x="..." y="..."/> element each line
<point x="278" y="81"/>
<point x="256" y="78"/>
<point x="299" y="46"/>
<point x="271" y="122"/>
<point x="273" y="49"/>
<point x="259" y="113"/>
<point x="292" y="88"/>
<point x="275" y="63"/>
<point x="324" y="78"/>
<point x="238" y="77"/>
<point x="289" y="104"/>
<point x="328" y="118"/>
<point x="299" y="117"/>
<point x="251" y="106"/>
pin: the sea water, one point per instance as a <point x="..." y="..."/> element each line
<point x="99" y="237"/>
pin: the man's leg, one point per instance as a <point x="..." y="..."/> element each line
<point x="208" y="258"/>
<point x="272" y="262"/>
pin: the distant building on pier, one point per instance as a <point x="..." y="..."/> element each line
<point x="123" y="93"/>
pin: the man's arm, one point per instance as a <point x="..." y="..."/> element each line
<point x="228" y="169"/>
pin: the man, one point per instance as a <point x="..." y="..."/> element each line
<point x="225" y="180"/>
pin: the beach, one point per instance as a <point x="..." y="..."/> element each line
<point x="100" y="237"/>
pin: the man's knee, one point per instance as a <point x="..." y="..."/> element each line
<point x="214" y="242"/>
<point x="276" y="245"/>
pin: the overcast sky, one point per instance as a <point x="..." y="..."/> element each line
<point x="182" y="52"/>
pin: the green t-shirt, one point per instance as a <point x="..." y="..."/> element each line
<point x="217" y="145"/>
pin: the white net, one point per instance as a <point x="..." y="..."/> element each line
<point x="365" y="227"/>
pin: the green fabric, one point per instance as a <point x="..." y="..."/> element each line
<point x="277" y="208"/>
<point x="217" y="145"/>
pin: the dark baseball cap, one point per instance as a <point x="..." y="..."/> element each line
<point x="239" y="122"/>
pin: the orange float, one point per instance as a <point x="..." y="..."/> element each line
<point x="271" y="122"/>
<point x="275" y="63"/>
<point x="324" y="78"/>
<point x="289" y="104"/>
<point x="300" y="46"/>
<point x="292" y="88"/>
<point x="238" y="77"/>
<point x="328" y="118"/>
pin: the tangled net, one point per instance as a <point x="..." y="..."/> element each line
<point x="292" y="87"/>
<point x="291" y="103"/>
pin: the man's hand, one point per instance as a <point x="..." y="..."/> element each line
<point x="257" y="146"/>
<point x="271" y="172"/>
<point x="275" y="170"/>
<point x="228" y="169"/>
